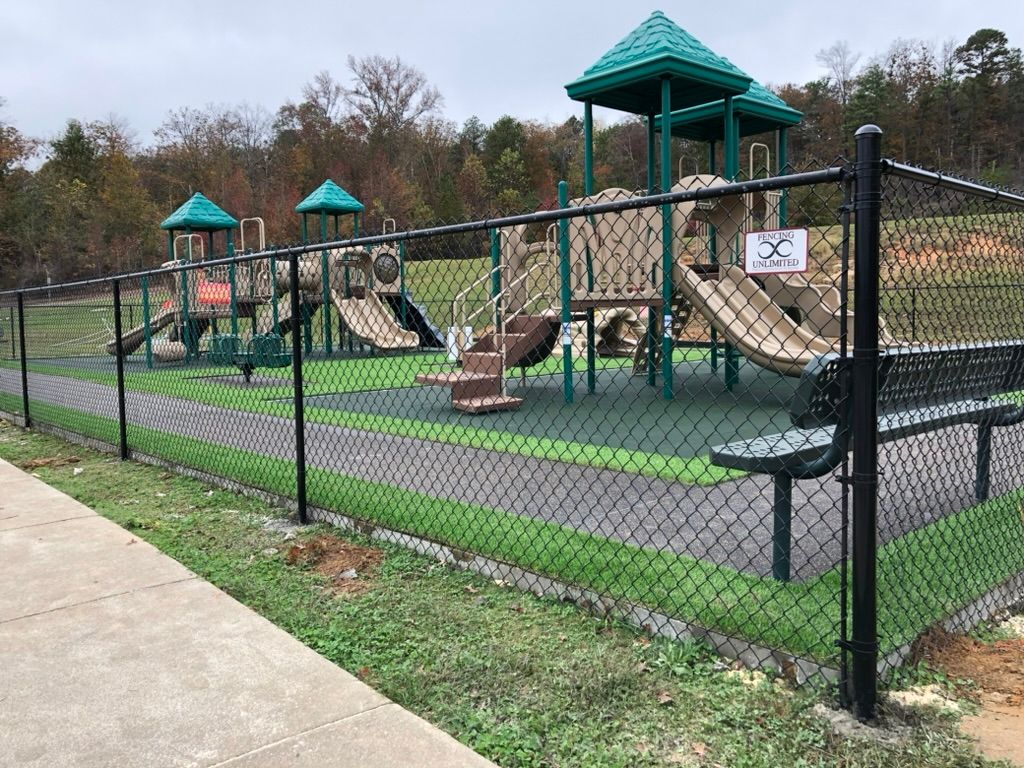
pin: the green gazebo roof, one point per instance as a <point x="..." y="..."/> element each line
<point x="628" y="77"/>
<point x="329" y="198"/>
<point x="759" y="110"/>
<point x="200" y="215"/>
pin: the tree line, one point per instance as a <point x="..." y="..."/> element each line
<point x="93" y="204"/>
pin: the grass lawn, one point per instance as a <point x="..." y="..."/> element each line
<point x="527" y="682"/>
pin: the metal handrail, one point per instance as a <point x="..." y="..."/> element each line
<point x="189" y="239"/>
<point x="261" y="228"/>
<point x="500" y="326"/>
<point x="767" y="158"/>
<point x="459" y="303"/>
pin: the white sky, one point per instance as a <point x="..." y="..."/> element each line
<point x="61" y="59"/>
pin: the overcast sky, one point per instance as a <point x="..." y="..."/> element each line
<point x="139" y="59"/>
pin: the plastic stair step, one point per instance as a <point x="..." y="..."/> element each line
<point x="450" y="378"/>
<point x="487" y="403"/>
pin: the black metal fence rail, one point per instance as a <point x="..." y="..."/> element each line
<point x="623" y="413"/>
<point x="790" y="181"/>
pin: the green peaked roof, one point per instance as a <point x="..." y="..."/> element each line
<point x="628" y="77"/>
<point x="329" y="198"/>
<point x="759" y="110"/>
<point x="200" y="215"/>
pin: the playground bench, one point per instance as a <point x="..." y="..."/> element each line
<point x="921" y="390"/>
<point x="265" y="350"/>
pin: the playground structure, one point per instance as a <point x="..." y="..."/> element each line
<point x="618" y="282"/>
<point x="364" y="288"/>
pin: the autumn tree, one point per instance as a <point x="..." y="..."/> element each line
<point x="388" y="97"/>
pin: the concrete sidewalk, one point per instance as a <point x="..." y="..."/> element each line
<point x="112" y="654"/>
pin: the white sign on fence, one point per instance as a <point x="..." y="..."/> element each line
<point x="776" y="252"/>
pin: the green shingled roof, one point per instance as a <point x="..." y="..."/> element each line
<point x="628" y="76"/>
<point x="759" y="110"/>
<point x="200" y="215"/>
<point x="329" y="198"/>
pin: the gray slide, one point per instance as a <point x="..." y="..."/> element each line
<point x="134" y="339"/>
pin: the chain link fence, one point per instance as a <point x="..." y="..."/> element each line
<point x="643" y="403"/>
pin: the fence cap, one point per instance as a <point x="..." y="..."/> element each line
<point x="869" y="129"/>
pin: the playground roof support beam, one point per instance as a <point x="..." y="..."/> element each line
<point x="781" y="169"/>
<point x="588" y="147"/>
<point x="650" y="153"/>
<point x="666" y="245"/>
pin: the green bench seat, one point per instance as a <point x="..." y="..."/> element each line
<point x="921" y="390"/>
<point x="266" y="350"/>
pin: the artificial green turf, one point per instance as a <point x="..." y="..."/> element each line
<point x="921" y="576"/>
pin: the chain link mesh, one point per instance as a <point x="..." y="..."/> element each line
<point x="543" y="401"/>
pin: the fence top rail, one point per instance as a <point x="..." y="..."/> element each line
<point x="790" y="181"/>
<point x="954" y="183"/>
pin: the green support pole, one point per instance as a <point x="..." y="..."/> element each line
<point x="588" y="147"/>
<point x="273" y="295"/>
<point x="340" y="324"/>
<point x="588" y="189"/>
<point x="186" y="330"/>
<point x="782" y="160"/>
<point x="233" y="283"/>
<point x="307" y="327"/>
<point x="730" y="151"/>
<point x="495" y="263"/>
<point x="325" y="288"/>
<point x="213" y="317"/>
<point x="348" y="276"/>
<point x="651" y="178"/>
<point x="566" y="291"/>
<point x="732" y="162"/>
<point x="170" y="245"/>
<point x="652" y="318"/>
<point x="145" y="322"/>
<point x="401" y="286"/>
<point x="713" y="255"/>
<point x="666" y="235"/>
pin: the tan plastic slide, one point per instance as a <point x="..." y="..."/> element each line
<point x="284" y="317"/>
<point x="617" y="332"/>
<point x="820" y="305"/>
<point x="372" y="322"/>
<point x="134" y="339"/>
<point x="749" y="320"/>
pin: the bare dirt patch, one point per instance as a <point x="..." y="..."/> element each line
<point x="50" y="461"/>
<point x="349" y="567"/>
<point x="996" y="673"/>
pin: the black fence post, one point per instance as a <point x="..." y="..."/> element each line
<point x="300" y="422"/>
<point x="122" y="422"/>
<point x="867" y="205"/>
<point x="24" y="359"/>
